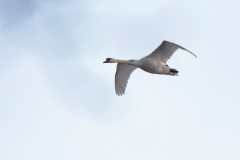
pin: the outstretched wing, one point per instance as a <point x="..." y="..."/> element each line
<point x="165" y="51"/>
<point x="122" y="75"/>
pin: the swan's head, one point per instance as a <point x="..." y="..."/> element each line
<point x="108" y="60"/>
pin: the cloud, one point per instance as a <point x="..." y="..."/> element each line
<point x="15" y="11"/>
<point x="131" y="8"/>
<point x="57" y="98"/>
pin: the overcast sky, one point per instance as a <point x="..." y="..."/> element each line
<point x="57" y="98"/>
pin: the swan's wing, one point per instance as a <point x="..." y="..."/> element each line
<point x="165" y="51"/>
<point x="122" y="75"/>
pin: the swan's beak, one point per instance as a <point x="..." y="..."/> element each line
<point x="107" y="61"/>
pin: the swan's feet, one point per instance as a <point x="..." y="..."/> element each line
<point x="174" y="71"/>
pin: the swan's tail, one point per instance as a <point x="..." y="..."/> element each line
<point x="173" y="72"/>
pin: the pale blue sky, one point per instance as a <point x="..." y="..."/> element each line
<point x="57" y="98"/>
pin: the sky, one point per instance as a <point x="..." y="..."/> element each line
<point x="57" y="98"/>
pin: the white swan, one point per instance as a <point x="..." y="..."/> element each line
<point x="154" y="63"/>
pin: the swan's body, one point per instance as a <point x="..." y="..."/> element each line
<point x="154" y="63"/>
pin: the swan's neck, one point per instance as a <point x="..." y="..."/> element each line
<point x="124" y="61"/>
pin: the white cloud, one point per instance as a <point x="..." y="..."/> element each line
<point x="132" y="8"/>
<point x="57" y="98"/>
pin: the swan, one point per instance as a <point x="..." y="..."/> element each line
<point x="154" y="63"/>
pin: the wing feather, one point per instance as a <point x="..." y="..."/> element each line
<point x="122" y="75"/>
<point x="165" y="51"/>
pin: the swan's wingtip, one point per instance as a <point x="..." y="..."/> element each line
<point x="120" y="94"/>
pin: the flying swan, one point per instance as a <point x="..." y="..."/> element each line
<point x="154" y="63"/>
